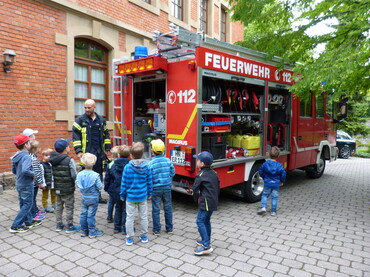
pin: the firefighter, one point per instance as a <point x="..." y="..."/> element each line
<point x="90" y="134"/>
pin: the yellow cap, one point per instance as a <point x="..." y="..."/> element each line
<point x="157" y="146"/>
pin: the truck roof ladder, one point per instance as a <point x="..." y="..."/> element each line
<point x="179" y="43"/>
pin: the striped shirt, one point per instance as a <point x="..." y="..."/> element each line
<point x="38" y="171"/>
<point x="162" y="171"/>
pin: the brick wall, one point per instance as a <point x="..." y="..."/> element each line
<point x="35" y="87"/>
<point x="237" y="32"/>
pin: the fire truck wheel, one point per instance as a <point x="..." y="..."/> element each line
<point x="252" y="189"/>
<point x="317" y="171"/>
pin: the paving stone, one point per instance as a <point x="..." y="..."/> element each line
<point x="208" y="273"/>
<point x="21" y="258"/>
<point x="11" y="253"/>
<point x="225" y="270"/>
<point x="189" y="268"/>
<point x="135" y="270"/>
<point x="154" y="266"/>
<point x="314" y="269"/>
<point x="19" y="272"/>
<point x="138" y="260"/>
<point x="120" y="264"/>
<point x="278" y="268"/>
<point x="258" y="271"/>
<point x="65" y="266"/>
<point x="171" y="272"/>
<point x="99" y="268"/>
<point x="321" y="232"/>
<point x="172" y="262"/>
<point x="350" y="271"/>
<point x="78" y="271"/>
<point x="244" y="267"/>
<point x="8" y="268"/>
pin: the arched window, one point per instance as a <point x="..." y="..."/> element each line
<point x="90" y="80"/>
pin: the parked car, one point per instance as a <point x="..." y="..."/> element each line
<point x="346" y="145"/>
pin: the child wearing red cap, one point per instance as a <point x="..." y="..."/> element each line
<point x="22" y="168"/>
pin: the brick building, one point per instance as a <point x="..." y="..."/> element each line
<point x="64" y="51"/>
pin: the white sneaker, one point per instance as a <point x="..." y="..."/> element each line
<point x="273" y="213"/>
<point x="261" y="211"/>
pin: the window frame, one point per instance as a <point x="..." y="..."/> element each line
<point x="203" y="8"/>
<point x="177" y="5"/>
<point x="308" y="103"/>
<point x="223" y="25"/>
<point x="90" y="65"/>
<point x="320" y="111"/>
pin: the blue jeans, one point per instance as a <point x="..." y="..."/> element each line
<point x="87" y="217"/>
<point x="111" y="204"/>
<point x="162" y="195"/>
<point x="204" y="227"/>
<point x="25" y="197"/>
<point x="34" y="209"/>
<point x="274" y="192"/>
<point x="119" y="214"/>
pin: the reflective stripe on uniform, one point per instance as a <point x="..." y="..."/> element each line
<point x="84" y="139"/>
<point x="78" y="127"/>
<point x="76" y="143"/>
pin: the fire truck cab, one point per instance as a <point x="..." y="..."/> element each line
<point x="197" y="93"/>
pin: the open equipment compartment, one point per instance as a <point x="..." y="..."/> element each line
<point x="232" y="117"/>
<point x="149" y="110"/>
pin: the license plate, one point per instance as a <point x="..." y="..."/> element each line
<point x="178" y="157"/>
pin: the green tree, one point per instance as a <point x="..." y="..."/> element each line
<point x="282" y="28"/>
<point x="358" y="115"/>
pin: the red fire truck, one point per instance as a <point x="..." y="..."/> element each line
<point x="197" y="93"/>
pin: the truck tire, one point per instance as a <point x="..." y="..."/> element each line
<point x="252" y="189"/>
<point x="317" y="171"/>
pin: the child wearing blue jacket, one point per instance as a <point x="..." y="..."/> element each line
<point x="136" y="188"/>
<point x="89" y="183"/>
<point x="22" y="168"/>
<point x="274" y="175"/>
<point x="162" y="172"/>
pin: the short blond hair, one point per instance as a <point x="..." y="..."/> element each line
<point x="137" y="150"/>
<point x="34" y="146"/>
<point x="88" y="160"/>
<point x="114" y="152"/>
<point x="46" y="151"/>
<point x="274" y="152"/>
<point x="124" y="151"/>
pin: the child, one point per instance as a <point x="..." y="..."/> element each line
<point x="89" y="183"/>
<point x="49" y="182"/>
<point x="162" y="171"/>
<point x="22" y="167"/>
<point x="136" y="188"/>
<point x="109" y="183"/>
<point x="30" y="133"/>
<point x="273" y="174"/>
<point x="64" y="174"/>
<point x="206" y="189"/>
<point x="39" y="181"/>
<point x="123" y="152"/>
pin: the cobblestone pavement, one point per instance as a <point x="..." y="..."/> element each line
<point x="322" y="229"/>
